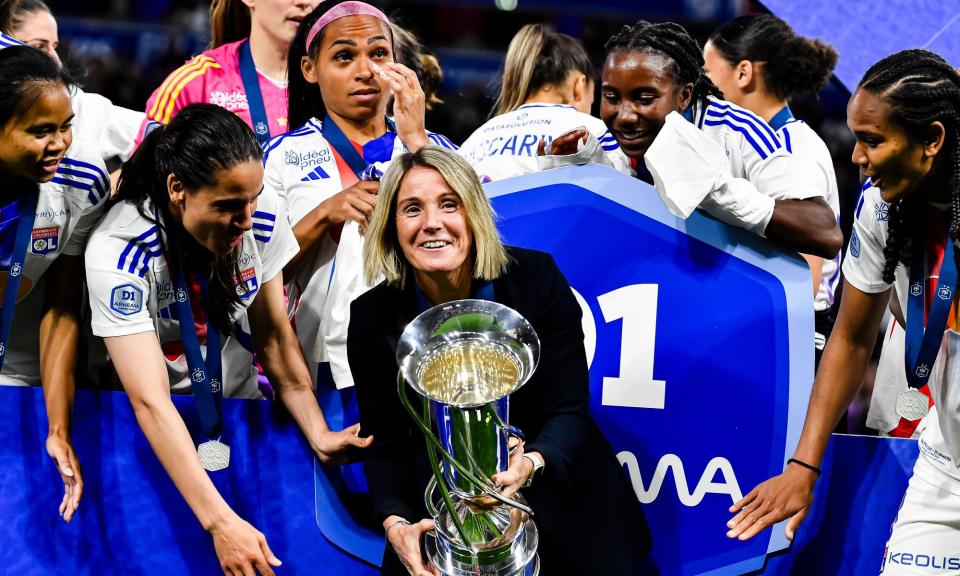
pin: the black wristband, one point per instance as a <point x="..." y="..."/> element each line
<point x="809" y="467"/>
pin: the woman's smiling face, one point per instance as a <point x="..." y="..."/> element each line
<point x="432" y="226"/>
<point x="885" y="153"/>
<point x="639" y="89"/>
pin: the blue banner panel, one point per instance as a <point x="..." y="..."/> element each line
<point x="132" y="520"/>
<point x="700" y="342"/>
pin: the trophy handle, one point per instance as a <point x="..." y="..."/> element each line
<point x="428" y="497"/>
<point x="516" y="433"/>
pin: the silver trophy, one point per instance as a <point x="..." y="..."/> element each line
<point x="465" y="358"/>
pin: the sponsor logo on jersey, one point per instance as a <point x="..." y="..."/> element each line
<point x="45" y="240"/>
<point x="855" y="244"/>
<point x="247" y="284"/>
<point x="306" y="159"/>
<point x="232" y="101"/>
<point x="126" y="299"/>
<point x="920" y="560"/>
<point x="49" y="214"/>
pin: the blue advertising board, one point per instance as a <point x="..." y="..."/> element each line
<point x="700" y="342"/>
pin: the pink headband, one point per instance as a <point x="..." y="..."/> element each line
<point x="341" y="11"/>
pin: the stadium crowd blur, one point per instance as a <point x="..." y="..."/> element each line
<point x="124" y="49"/>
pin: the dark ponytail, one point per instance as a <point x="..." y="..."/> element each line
<point x="303" y="99"/>
<point x="792" y="63"/>
<point x="199" y="143"/>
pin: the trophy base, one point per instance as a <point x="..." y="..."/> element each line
<point x="522" y="558"/>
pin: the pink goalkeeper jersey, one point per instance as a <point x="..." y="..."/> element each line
<point x="214" y="77"/>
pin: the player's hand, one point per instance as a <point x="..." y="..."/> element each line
<point x="355" y="202"/>
<point x="241" y="549"/>
<point x="408" y="103"/>
<point x="340" y="447"/>
<point x="788" y="495"/>
<point x="564" y="144"/>
<point x="60" y="449"/>
<point x="407" y="541"/>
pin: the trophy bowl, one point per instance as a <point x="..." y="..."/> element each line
<point x="465" y="358"/>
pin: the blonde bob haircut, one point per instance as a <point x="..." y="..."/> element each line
<point x="382" y="254"/>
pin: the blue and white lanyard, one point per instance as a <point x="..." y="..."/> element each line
<point x="27" y="211"/>
<point x="206" y="377"/>
<point x="922" y="345"/>
<point x="251" y="86"/>
<point x="380" y="149"/>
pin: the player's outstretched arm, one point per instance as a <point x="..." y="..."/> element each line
<point x="807" y="226"/>
<point x="790" y="494"/>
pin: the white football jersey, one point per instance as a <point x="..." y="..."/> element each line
<point x="301" y="168"/>
<point x="506" y="145"/>
<point x="131" y="290"/>
<point x="754" y="151"/>
<point x="801" y="141"/>
<point x="68" y="208"/>
<point x="863" y="268"/>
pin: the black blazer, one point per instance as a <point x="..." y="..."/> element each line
<point x="589" y="519"/>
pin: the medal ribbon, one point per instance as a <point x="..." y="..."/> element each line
<point x="206" y="377"/>
<point x="251" y="86"/>
<point x="27" y="210"/>
<point x="923" y="345"/>
<point x="378" y="150"/>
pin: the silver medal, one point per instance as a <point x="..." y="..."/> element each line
<point x="214" y="455"/>
<point x="912" y="404"/>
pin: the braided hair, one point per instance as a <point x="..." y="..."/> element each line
<point x="921" y="88"/>
<point x="673" y="41"/>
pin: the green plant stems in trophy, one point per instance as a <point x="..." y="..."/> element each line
<point x="437" y="474"/>
<point x="425" y="429"/>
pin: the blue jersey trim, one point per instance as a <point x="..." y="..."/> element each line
<point x="748" y="128"/>
<point x="147" y="247"/>
<point x="748" y="134"/>
<point x="749" y="117"/>
<point x="263" y="224"/>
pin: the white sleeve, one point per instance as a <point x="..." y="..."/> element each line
<point x="119" y="300"/>
<point x="346" y="284"/>
<point x="611" y="149"/>
<point x="780" y="175"/>
<point x="90" y="171"/>
<point x="864" y="262"/>
<point x="275" y="240"/>
<point x="113" y="129"/>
